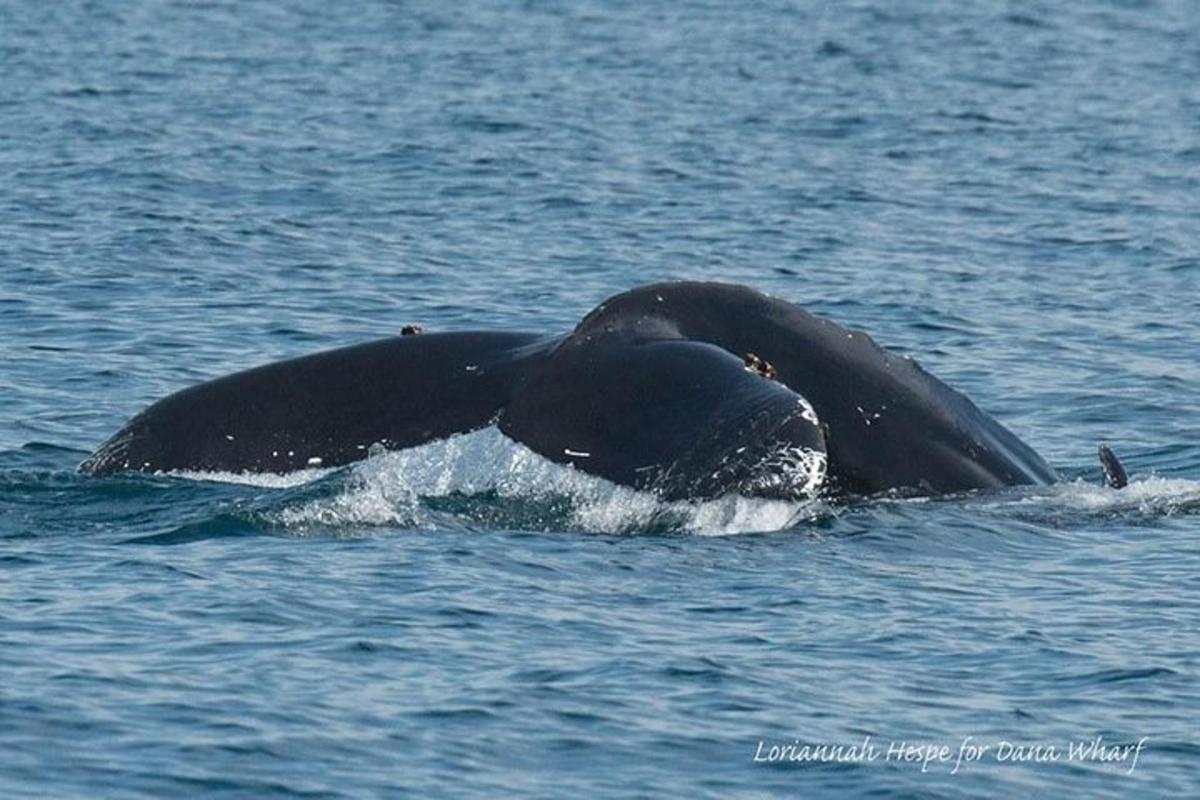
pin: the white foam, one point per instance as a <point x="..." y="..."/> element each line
<point x="1152" y="495"/>
<point x="267" y="480"/>
<point x="388" y="489"/>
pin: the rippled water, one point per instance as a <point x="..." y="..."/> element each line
<point x="1006" y="191"/>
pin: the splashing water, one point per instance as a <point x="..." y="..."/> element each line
<point x="484" y="479"/>
<point x="1149" y="497"/>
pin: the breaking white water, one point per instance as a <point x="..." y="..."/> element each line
<point x="477" y="474"/>
<point x="485" y="480"/>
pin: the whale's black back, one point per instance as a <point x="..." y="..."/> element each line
<point x="888" y="423"/>
<point x="649" y="390"/>
<point x="329" y="408"/>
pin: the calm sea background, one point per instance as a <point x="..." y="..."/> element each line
<point x="1010" y="192"/>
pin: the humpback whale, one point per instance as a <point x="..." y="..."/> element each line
<point x="686" y="389"/>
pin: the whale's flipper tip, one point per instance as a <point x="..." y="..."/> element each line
<point x="1114" y="473"/>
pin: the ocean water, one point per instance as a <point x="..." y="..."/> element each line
<point x="1009" y="192"/>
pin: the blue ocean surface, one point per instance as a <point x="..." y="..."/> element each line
<point x="1007" y="191"/>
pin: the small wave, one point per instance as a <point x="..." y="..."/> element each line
<point x="1148" y="497"/>
<point x="1152" y="496"/>
<point x="484" y="479"/>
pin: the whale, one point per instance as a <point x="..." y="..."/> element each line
<point x="688" y="390"/>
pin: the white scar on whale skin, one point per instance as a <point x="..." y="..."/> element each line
<point x="807" y="411"/>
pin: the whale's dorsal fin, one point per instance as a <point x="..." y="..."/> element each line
<point x="1115" y="476"/>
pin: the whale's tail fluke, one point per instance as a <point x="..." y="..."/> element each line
<point x="1115" y="476"/>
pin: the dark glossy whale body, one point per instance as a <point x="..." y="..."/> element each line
<point x="684" y="389"/>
